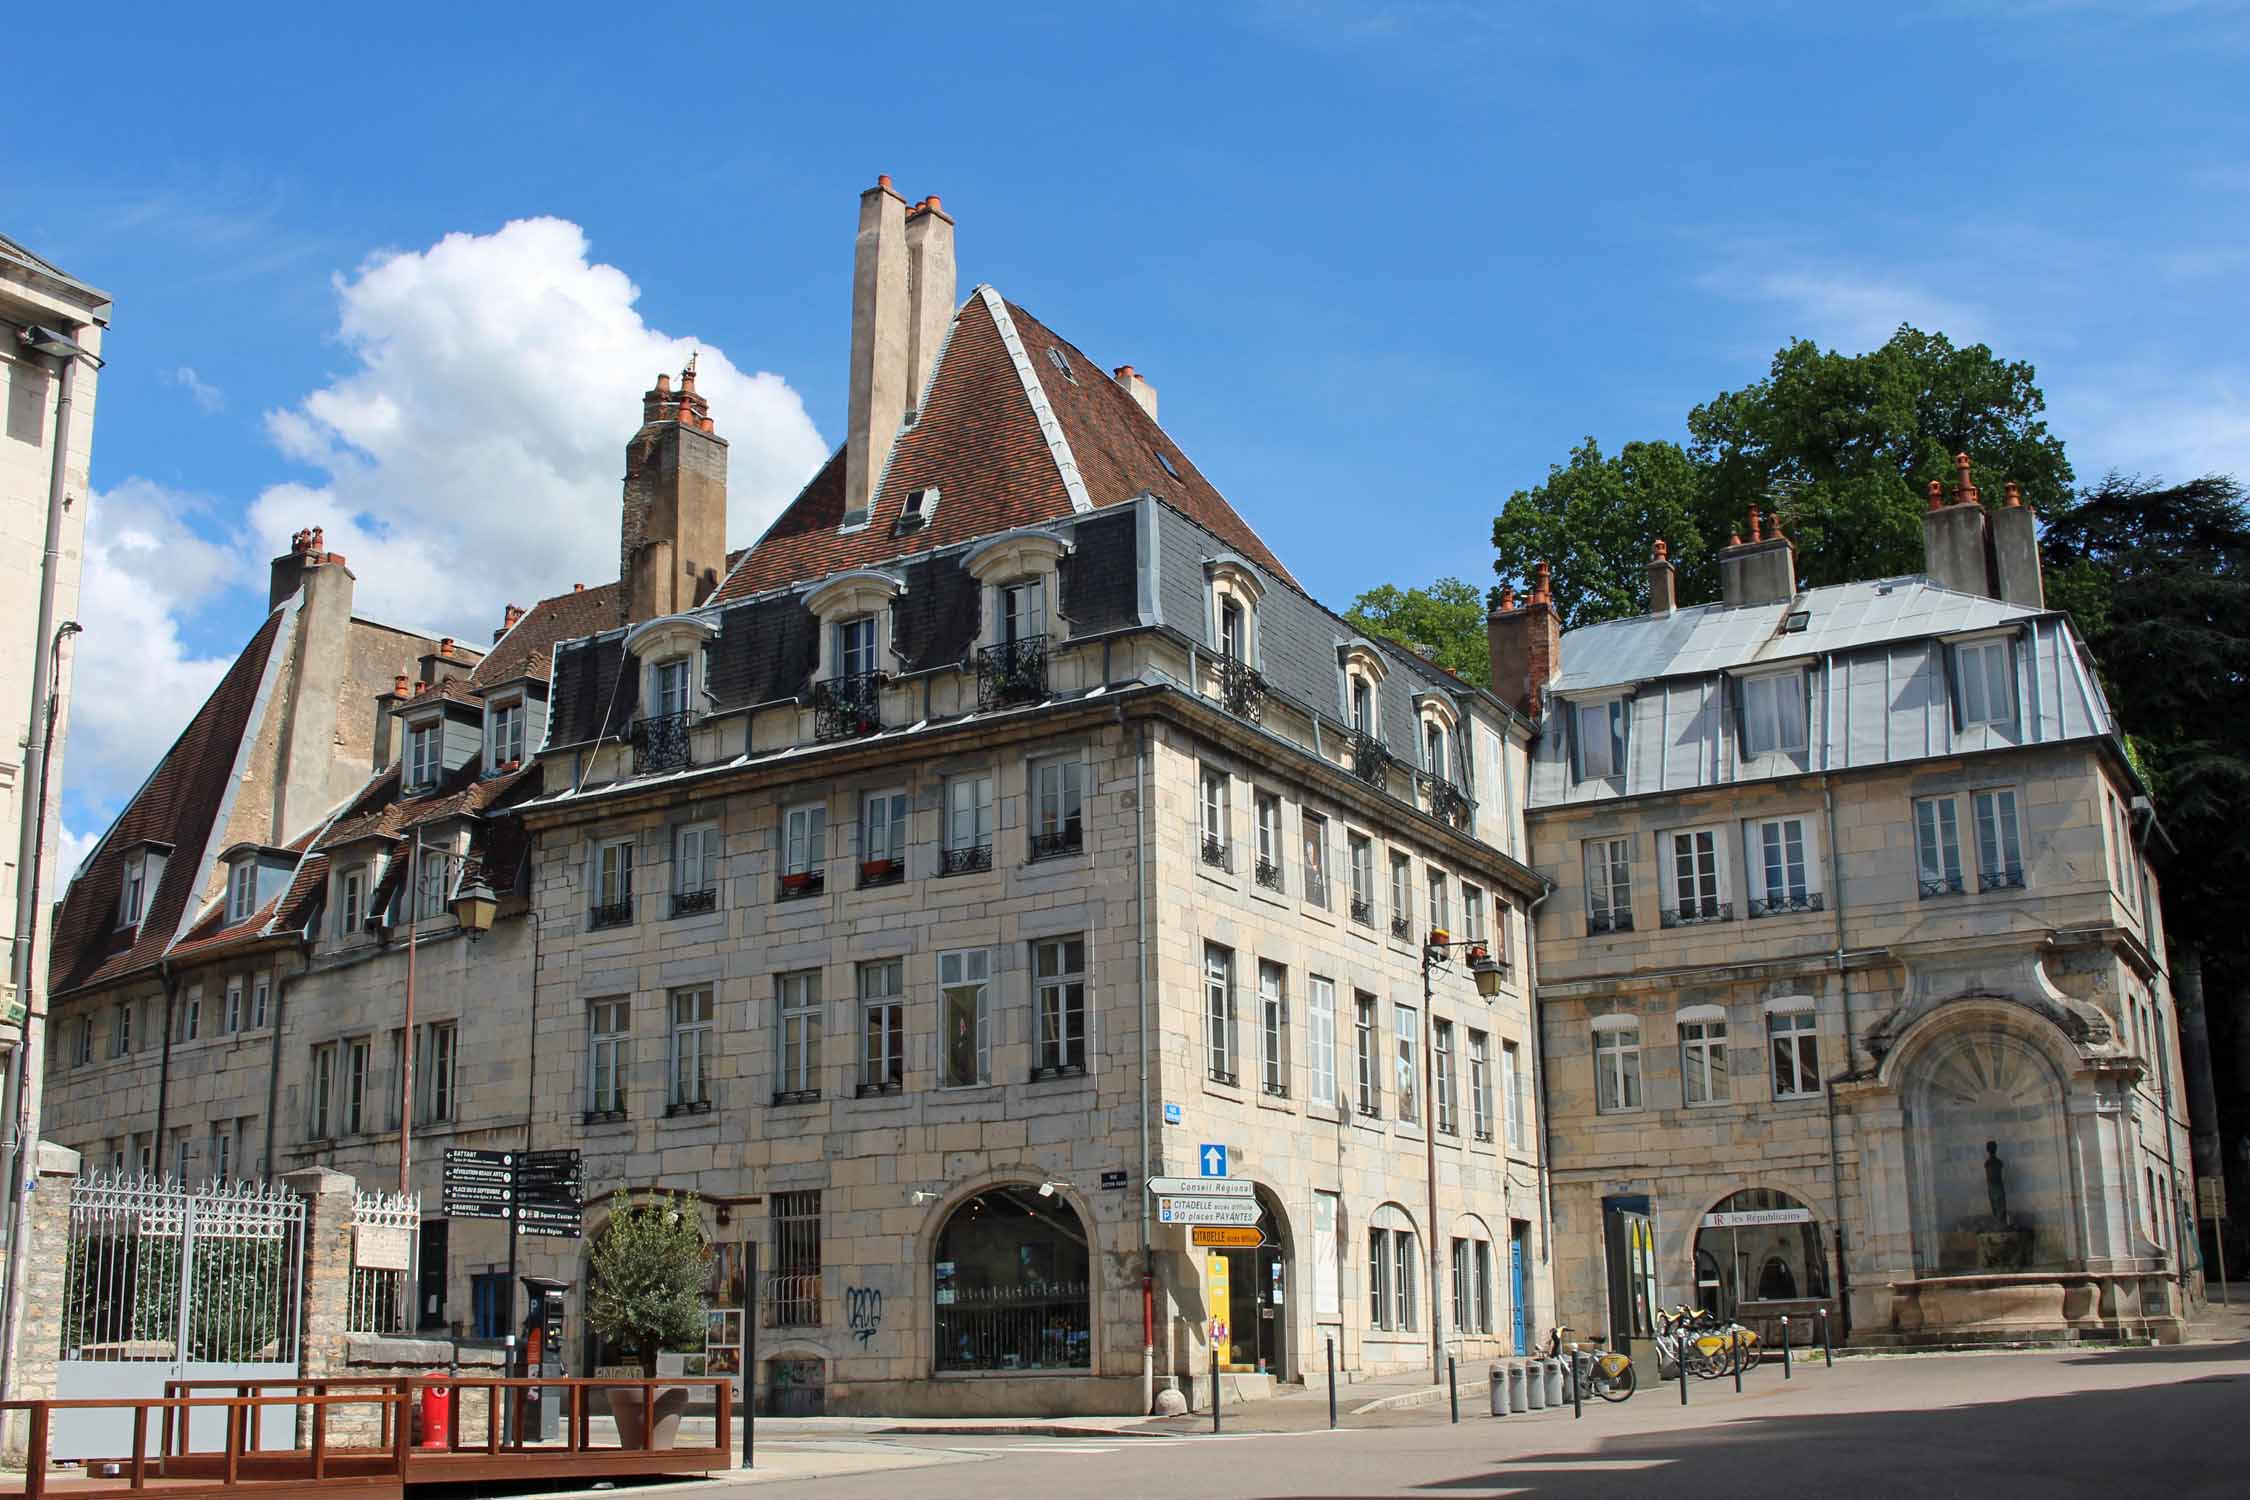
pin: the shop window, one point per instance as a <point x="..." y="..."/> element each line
<point x="1012" y="1285"/>
<point x="1758" y="1245"/>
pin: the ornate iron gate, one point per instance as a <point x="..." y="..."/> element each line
<point x="166" y="1282"/>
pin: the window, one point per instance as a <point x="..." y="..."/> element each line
<point x="1218" y="1013"/>
<point x="242" y="890"/>
<point x="968" y="823"/>
<point x="613" y="883"/>
<point x="503" y="734"/>
<point x="430" y="878"/>
<point x="1058" y="793"/>
<point x="1472" y="1286"/>
<point x="1391" y="1277"/>
<point x="1433" y="750"/>
<point x="1599" y="738"/>
<point x="1404" y="1257"/>
<point x="1363" y="879"/>
<point x="1480" y="1085"/>
<point x="1365" y="1057"/>
<point x="1782" y="879"/>
<point x="1999" y="843"/>
<point x="855" y="647"/>
<point x="1512" y="1092"/>
<point x="435" y="1080"/>
<point x="351" y="903"/>
<point x="1023" y="611"/>
<point x="261" y="1000"/>
<point x="882" y="837"/>
<point x="1363" y="706"/>
<point x="81" y="1041"/>
<point x="1273" y="1029"/>
<point x="1483" y="1283"/>
<point x="964" y="989"/>
<point x="1267" y="810"/>
<point x="1937" y="846"/>
<point x="1406" y="1079"/>
<point x="422" y="756"/>
<point x="1617" y="1065"/>
<point x="1441" y="908"/>
<point x="1058" y="970"/>
<point x="609" y="1055"/>
<point x="358" y="1058"/>
<point x="1609" y="885"/>
<point x="1441" y="1059"/>
<point x="231" y="1016"/>
<point x="691" y="1049"/>
<point x="1320" y="1039"/>
<point x="1213" y="815"/>
<point x="670" y="681"/>
<point x="1402" y="897"/>
<point x="120" y="1029"/>
<point x="1379" y="1305"/>
<point x="1703" y="1060"/>
<point x="1695" y="879"/>
<point x="1984" y="690"/>
<point x="797" y="1004"/>
<point x="1314" y="830"/>
<point x="804" y="850"/>
<point x="1234" y="631"/>
<point x="882" y="1027"/>
<point x="320" y="1092"/>
<point x="1792" y="1035"/>
<point x="795" y="1287"/>
<point x="1472" y="913"/>
<point x="222" y="1155"/>
<point x="132" y="890"/>
<point x="190" y="1024"/>
<point x="1773" y="713"/>
<point x="181" y="1152"/>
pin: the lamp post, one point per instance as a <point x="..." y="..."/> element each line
<point x="1437" y="950"/>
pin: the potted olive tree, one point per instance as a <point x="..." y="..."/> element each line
<point x="646" y="1293"/>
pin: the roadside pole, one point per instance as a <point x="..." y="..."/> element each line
<point x="750" y="1359"/>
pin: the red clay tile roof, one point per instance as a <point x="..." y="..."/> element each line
<point x="979" y="440"/>
<point x="529" y="644"/>
<point x="177" y="806"/>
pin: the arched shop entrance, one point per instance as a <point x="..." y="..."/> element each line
<point x="1756" y="1249"/>
<point x="1012" y="1285"/>
<point x="1258" y="1293"/>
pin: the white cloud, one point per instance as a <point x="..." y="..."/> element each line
<point x="71" y="850"/>
<point x="1854" y="310"/>
<point x="209" y="397"/>
<point x="472" y="456"/>
<point x="2149" y="421"/>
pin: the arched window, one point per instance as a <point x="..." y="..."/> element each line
<point x="1012" y="1284"/>
<point x="1758" y="1245"/>
<point x="1393" y="1303"/>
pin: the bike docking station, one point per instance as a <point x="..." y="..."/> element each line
<point x="1686" y="1340"/>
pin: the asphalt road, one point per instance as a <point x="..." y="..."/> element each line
<point x="2160" y="1422"/>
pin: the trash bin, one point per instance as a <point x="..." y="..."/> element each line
<point x="1515" y="1387"/>
<point x="1534" y="1386"/>
<point x="1554" y="1382"/>
<point x="1499" y="1377"/>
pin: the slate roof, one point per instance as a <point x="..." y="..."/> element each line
<point x="1709" y="638"/>
<point x="981" y="441"/>
<point x="178" y="805"/>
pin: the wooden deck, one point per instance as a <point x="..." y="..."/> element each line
<point x="383" y="1470"/>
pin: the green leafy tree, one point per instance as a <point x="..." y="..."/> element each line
<point x="1444" y="622"/>
<point x="648" y="1263"/>
<point x="1596" y="521"/>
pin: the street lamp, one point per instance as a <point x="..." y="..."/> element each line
<point x="1437" y="947"/>
<point x="474" y="906"/>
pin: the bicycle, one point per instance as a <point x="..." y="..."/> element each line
<point x="1719" y="1347"/>
<point x="1594" y="1371"/>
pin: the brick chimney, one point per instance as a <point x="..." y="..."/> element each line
<point x="2015" y="552"/>
<point x="1137" y="386"/>
<point x="672" y="539"/>
<point x="1663" y="581"/>
<point x="1955" y="551"/>
<point x="902" y="303"/>
<point x="1762" y="570"/>
<point x="929" y="292"/>
<point x="308" y="549"/>
<point x="1526" y="645"/>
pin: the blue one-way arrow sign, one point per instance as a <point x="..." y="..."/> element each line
<point x="1214" y="1160"/>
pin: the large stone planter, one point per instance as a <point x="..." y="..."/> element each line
<point x="632" y="1429"/>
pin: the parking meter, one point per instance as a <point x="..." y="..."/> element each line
<point x="540" y="1353"/>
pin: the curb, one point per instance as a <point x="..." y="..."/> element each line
<point x="1430" y="1396"/>
<point x="1016" y="1429"/>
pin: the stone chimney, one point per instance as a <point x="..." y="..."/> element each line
<point x="672" y="542"/>
<point x="1137" y="386"/>
<point x="308" y="549"/>
<point x="1663" y="581"/>
<point x="508" y="618"/>
<point x="1762" y="570"/>
<point x="1526" y="645"/>
<point x="1956" y="552"/>
<point x="305" y="767"/>
<point x="929" y="294"/>
<point x="882" y="344"/>
<point x="2015" y="552"/>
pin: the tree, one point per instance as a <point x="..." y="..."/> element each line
<point x="1842" y="446"/>
<point x="1445" y="622"/>
<point x="646" y="1293"/>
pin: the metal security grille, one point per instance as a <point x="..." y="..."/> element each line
<point x="382" y="1301"/>
<point x="793" y="1290"/>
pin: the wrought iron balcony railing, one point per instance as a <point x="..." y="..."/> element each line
<point x="1695" y="913"/>
<point x="661" y="743"/>
<point x="1012" y="672"/>
<point x="1363" y="912"/>
<point x="1402" y="927"/>
<point x="1268" y="873"/>
<point x="1216" y="854"/>
<point x="1448" y="803"/>
<point x="847" y="707"/>
<point x="1068" y="839"/>
<point x="966" y="861"/>
<point x="1242" y="690"/>
<point x="1783" y="903"/>
<point x="2010" y="879"/>
<point x="611" y="913"/>
<point x="1370" y="758"/>
<point x="1619" y="920"/>
<point x="695" y="903"/>
<point x="1941" y="885"/>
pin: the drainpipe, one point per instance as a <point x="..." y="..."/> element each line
<point x="1429" y="1165"/>
<point x="1539" y="1094"/>
<point x="273" y="1066"/>
<point x="164" y="1066"/>
<point x="1140" y="914"/>
<point x="1851" y="1064"/>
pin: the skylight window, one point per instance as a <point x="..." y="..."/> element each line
<point x="1165" y="459"/>
<point x="1796" y="621"/>
<point x="1061" y="362"/>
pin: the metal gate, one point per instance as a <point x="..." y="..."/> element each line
<point x="166" y="1282"/>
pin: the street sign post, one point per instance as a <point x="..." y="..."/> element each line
<point x="1214" y="1159"/>
<point x="1238" y="1212"/>
<point x="1215" y="1237"/>
<point x="1202" y="1187"/>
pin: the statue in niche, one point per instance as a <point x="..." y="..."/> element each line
<point x="1996" y="1183"/>
<point x="2002" y="1243"/>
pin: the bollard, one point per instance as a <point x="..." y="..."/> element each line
<point x="1534" y="1386"/>
<point x="1554" y="1384"/>
<point x="1786" y="1373"/>
<point x="1331" y="1385"/>
<point x="1497" y="1378"/>
<point x="1679" y="1357"/>
<point x="1827" y="1349"/>
<point x="1452" y="1390"/>
<point x="1515" y="1387"/>
<point x="1214" y="1387"/>
<point x="1734" y="1342"/>
<point x="1577" y="1386"/>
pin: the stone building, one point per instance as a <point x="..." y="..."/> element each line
<point x="1006" y="826"/>
<point x="1852" y="988"/>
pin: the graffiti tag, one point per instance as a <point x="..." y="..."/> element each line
<point x="863" y="1312"/>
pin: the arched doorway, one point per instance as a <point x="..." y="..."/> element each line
<point x="1012" y="1284"/>
<point x="1258" y="1293"/>
<point x="1755" y="1246"/>
<point x="1985" y="1153"/>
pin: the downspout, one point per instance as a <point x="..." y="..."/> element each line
<point x="1140" y="914"/>
<point x="273" y="1067"/>
<point x="1540" y="1125"/>
<point x="1851" y="1063"/>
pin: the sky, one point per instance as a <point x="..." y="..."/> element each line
<point x="402" y="272"/>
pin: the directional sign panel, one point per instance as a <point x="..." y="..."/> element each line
<point x="492" y="1158"/>
<point x="1241" y="1212"/>
<point x="1213" y="1158"/>
<point x="1207" y="1187"/>
<point x="455" y="1209"/>
<point x="1213" y="1237"/>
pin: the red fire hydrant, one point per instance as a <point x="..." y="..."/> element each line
<point x="437" y="1415"/>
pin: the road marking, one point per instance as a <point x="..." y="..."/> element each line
<point x="1589" y="1465"/>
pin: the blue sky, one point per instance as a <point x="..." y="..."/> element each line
<point x="1384" y="262"/>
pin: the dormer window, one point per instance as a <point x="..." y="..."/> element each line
<point x="351" y="902"/>
<point x="1363" y="672"/>
<point x="1363" y="706"/>
<point x="855" y="647"/>
<point x="242" y="890"/>
<point x="1597" y="738"/>
<point x="1773" y="713"/>
<point x="424" y="751"/>
<point x="1984" y="687"/>
<point x="916" y="510"/>
<point x="1023" y="610"/>
<point x="503" y="734"/>
<point x="1434" y="758"/>
<point x="1234" y="631"/>
<point x="132" y="891"/>
<point x="669" y="679"/>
